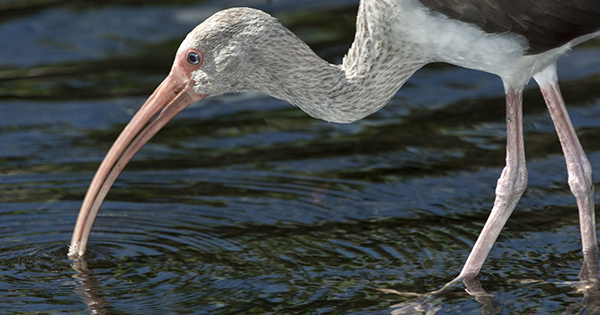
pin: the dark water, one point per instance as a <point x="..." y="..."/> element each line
<point x="244" y="204"/>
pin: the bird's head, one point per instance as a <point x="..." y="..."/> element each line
<point x="220" y="55"/>
<point x="234" y="51"/>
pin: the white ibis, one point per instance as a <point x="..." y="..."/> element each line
<point x="244" y="49"/>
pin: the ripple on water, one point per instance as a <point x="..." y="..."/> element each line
<point x="248" y="249"/>
<point x="246" y="238"/>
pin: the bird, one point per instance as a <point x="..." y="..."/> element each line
<point x="244" y="49"/>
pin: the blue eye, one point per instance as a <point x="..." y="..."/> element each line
<point x="193" y="58"/>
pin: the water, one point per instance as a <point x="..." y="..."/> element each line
<point x="244" y="204"/>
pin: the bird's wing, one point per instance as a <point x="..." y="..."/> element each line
<point x="546" y="24"/>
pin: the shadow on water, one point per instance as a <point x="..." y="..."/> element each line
<point x="246" y="205"/>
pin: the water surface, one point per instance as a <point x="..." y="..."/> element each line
<point x="243" y="204"/>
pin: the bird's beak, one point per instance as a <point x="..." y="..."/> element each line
<point x="173" y="95"/>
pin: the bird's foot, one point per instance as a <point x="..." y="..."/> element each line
<point x="423" y="303"/>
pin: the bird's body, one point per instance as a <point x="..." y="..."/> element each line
<point x="243" y="49"/>
<point x="544" y="25"/>
<point x="394" y="38"/>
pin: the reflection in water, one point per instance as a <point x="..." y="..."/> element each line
<point x="429" y="303"/>
<point x="88" y="288"/>
<point x="588" y="286"/>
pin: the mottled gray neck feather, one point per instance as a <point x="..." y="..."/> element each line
<point x="372" y="72"/>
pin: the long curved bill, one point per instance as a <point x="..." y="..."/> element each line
<point x="173" y="95"/>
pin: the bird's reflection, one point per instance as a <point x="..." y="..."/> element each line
<point x="429" y="303"/>
<point x="588" y="285"/>
<point x="88" y="289"/>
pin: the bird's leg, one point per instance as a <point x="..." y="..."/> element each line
<point x="509" y="189"/>
<point x="578" y="165"/>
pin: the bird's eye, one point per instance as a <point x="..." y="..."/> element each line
<point x="193" y="58"/>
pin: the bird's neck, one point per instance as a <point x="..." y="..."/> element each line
<point x="374" y="69"/>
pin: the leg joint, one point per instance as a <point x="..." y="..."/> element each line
<point x="580" y="177"/>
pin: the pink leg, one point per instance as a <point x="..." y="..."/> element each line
<point x="578" y="165"/>
<point x="510" y="187"/>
